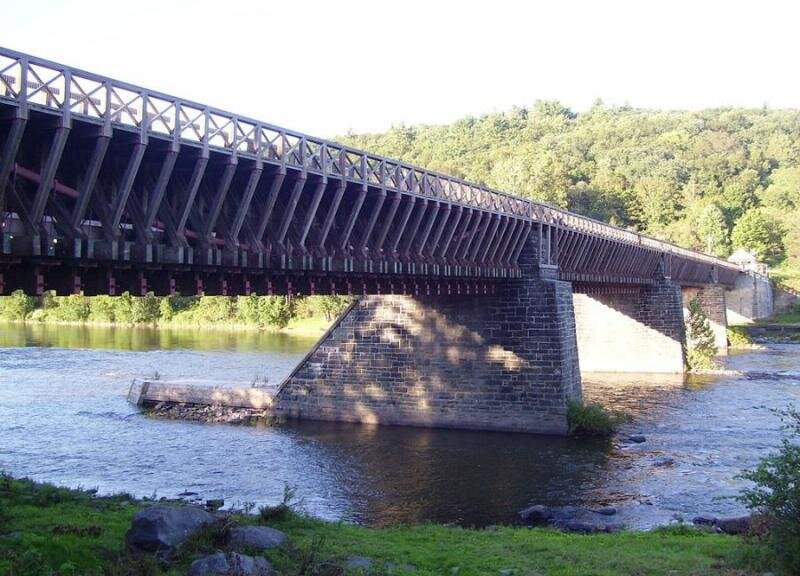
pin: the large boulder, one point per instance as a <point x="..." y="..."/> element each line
<point x="256" y="537"/>
<point x="734" y="525"/>
<point x="537" y="513"/>
<point x="221" y="564"/>
<point x="161" y="528"/>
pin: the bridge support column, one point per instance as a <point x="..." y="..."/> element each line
<point x="631" y="329"/>
<point x="712" y="302"/>
<point x="503" y="362"/>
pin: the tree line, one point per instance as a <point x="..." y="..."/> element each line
<point x="265" y="312"/>
<point x="712" y="180"/>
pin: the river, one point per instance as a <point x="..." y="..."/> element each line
<point x="64" y="419"/>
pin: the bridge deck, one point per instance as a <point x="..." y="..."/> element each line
<point x="100" y="177"/>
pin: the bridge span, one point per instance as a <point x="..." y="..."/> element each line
<point x="477" y="308"/>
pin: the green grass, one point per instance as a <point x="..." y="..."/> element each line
<point x="787" y="276"/>
<point x="592" y="419"/>
<point x="791" y="317"/>
<point x="46" y="530"/>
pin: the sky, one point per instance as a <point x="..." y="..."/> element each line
<point x="331" y="67"/>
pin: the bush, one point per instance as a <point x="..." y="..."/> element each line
<point x="73" y="308"/>
<point x="17" y="306"/>
<point x="102" y="308"/>
<point x="145" y="309"/>
<point x="123" y="308"/>
<point x="776" y="495"/>
<point x="215" y="309"/>
<point x="737" y="336"/>
<point x="592" y="419"/>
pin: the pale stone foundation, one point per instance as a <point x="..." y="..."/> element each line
<point x="632" y="330"/>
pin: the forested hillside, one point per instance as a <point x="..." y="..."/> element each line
<point x="710" y="180"/>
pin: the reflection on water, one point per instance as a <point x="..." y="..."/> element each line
<point x="63" y="418"/>
<point x="148" y="338"/>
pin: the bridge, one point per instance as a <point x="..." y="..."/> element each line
<point x="108" y="187"/>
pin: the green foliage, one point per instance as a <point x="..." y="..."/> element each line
<point x="701" y="342"/>
<point x="145" y="310"/>
<point x="123" y="308"/>
<point x="776" y="495"/>
<point x="329" y="307"/>
<point x="738" y="337"/>
<point x="592" y="419"/>
<point x="174" y="304"/>
<point x="685" y="176"/>
<point x="102" y="308"/>
<point x="17" y="306"/>
<point x="284" y="509"/>
<point x="264" y="311"/>
<point x="215" y="309"/>
<point x="761" y="233"/>
<point x="73" y="308"/>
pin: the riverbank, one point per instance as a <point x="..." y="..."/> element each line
<point x="301" y="315"/>
<point x="44" y="529"/>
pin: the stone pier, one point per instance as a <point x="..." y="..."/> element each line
<point x="506" y="361"/>
<point x="631" y="329"/>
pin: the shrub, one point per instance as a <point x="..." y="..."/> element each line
<point x="102" y="308"/>
<point x="73" y="308"/>
<point x="123" y="308"/>
<point x="702" y="347"/>
<point x="275" y="311"/>
<point x="776" y="495"/>
<point x="592" y="419"/>
<point x="737" y="336"/>
<point x="172" y="305"/>
<point x="17" y="306"/>
<point x="145" y="309"/>
<point x="215" y="309"/>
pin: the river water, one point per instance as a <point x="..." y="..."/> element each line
<point x="64" y="419"/>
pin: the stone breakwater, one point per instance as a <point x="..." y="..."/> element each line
<point x="194" y="402"/>
<point x="211" y="414"/>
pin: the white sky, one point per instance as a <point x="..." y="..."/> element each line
<point x="326" y="67"/>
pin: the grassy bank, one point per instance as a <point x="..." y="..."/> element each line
<point x="791" y="317"/>
<point x="48" y="530"/>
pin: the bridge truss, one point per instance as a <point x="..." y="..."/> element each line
<point x="106" y="186"/>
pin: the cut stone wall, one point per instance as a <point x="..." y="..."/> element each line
<point x="750" y="299"/>
<point x="501" y="362"/>
<point x="632" y="330"/>
<point x="712" y="302"/>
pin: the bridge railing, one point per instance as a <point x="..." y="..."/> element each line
<point x="31" y="82"/>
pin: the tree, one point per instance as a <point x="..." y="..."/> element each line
<point x="776" y="495"/>
<point x="783" y="192"/>
<point x="756" y="230"/>
<point x="702" y="345"/>
<point x="713" y="231"/>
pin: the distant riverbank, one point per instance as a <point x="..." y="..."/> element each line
<point x="304" y="316"/>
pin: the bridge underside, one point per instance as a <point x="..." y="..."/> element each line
<point x="508" y="361"/>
